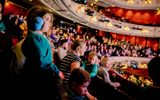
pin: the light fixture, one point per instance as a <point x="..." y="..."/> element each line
<point x="145" y="31"/>
<point x="158" y="11"/>
<point x="109" y="24"/>
<point x="126" y="28"/>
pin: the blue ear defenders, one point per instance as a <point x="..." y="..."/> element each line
<point x="37" y="23"/>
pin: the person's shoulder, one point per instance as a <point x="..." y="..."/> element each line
<point x="36" y="36"/>
<point x="94" y="65"/>
<point x="101" y="68"/>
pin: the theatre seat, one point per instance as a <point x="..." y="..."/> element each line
<point x="104" y="91"/>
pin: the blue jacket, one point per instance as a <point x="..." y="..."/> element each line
<point x="91" y="68"/>
<point x="37" y="51"/>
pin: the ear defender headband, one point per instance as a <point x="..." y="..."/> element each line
<point x="37" y="23"/>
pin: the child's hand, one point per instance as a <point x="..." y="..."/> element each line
<point x="90" y="97"/>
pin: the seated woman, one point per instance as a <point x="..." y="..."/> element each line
<point x="90" y="64"/>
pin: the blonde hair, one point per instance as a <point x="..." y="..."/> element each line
<point x="103" y="61"/>
<point x="92" y="54"/>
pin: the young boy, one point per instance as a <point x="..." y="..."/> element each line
<point x="91" y="65"/>
<point x="77" y="86"/>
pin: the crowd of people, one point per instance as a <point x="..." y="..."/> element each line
<point x="80" y="60"/>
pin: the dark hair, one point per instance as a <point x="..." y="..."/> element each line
<point x="36" y="11"/>
<point x="76" y="44"/>
<point x="154" y="69"/>
<point x="63" y="41"/>
<point x="79" y="76"/>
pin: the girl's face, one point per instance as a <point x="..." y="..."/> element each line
<point x="47" y="22"/>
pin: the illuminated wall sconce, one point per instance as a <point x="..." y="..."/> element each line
<point x="145" y="31"/>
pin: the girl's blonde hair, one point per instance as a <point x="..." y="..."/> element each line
<point x="92" y="54"/>
<point x="103" y="61"/>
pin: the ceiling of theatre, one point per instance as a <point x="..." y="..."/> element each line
<point x="131" y="4"/>
<point x="64" y="9"/>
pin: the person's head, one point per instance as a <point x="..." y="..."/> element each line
<point x="64" y="43"/>
<point x="154" y="70"/>
<point x="92" y="57"/>
<point x="42" y="17"/>
<point x="79" y="46"/>
<point x="79" y="81"/>
<point x="104" y="62"/>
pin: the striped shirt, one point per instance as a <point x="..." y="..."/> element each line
<point x="65" y="66"/>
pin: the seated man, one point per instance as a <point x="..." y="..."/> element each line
<point x="77" y="86"/>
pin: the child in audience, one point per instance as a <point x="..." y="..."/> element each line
<point x="104" y="74"/>
<point x="77" y="85"/>
<point x="91" y="64"/>
<point x="39" y="67"/>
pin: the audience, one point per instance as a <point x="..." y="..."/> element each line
<point x="39" y="66"/>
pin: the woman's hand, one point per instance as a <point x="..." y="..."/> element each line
<point x="61" y="75"/>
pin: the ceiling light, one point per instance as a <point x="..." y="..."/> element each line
<point x="94" y="18"/>
<point x="109" y="24"/>
<point x="130" y="1"/>
<point x="126" y="28"/>
<point x="113" y="5"/>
